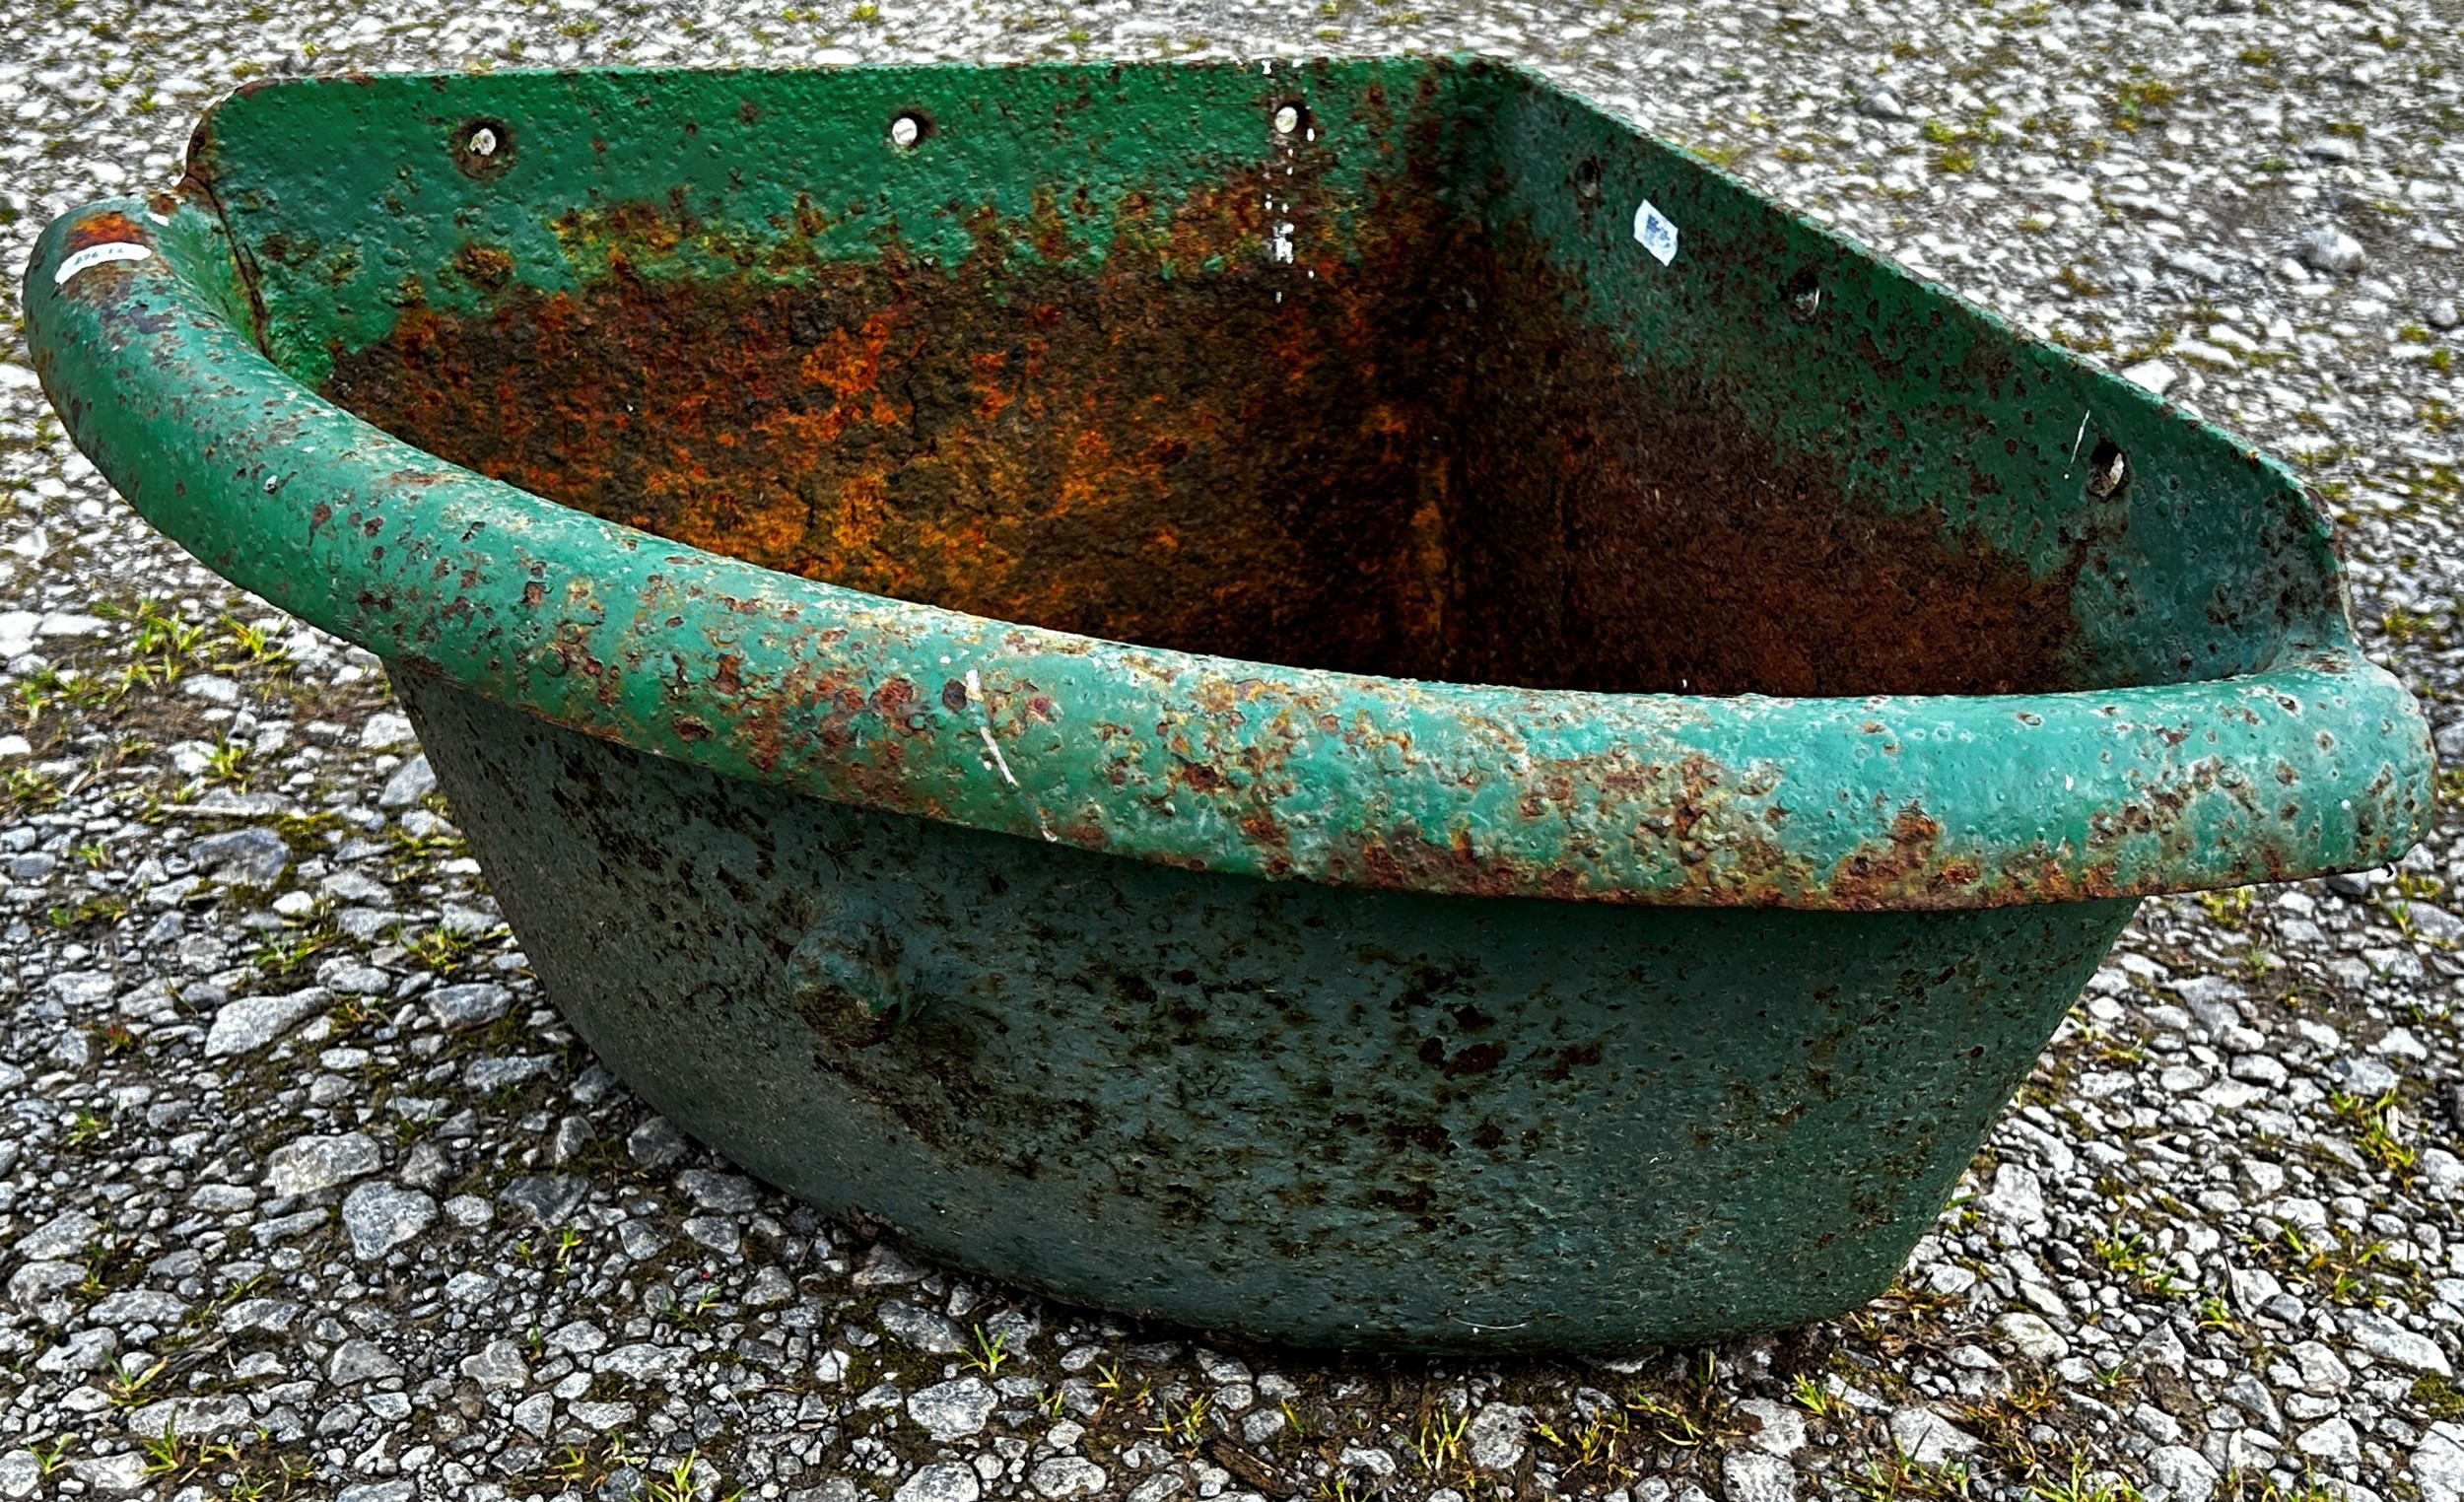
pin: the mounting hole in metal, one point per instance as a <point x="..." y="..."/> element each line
<point x="909" y="127"/>
<point x="483" y="148"/>
<point x="1289" y="117"/>
<point x="1805" y="296"/>
<point x="2108" y="469"/>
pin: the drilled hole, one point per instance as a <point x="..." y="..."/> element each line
<point x="1805" y="296"/>
<point x="1587" y="177"/>
<point x="483" y="148"/>
<point x="2108" y="469"/>
<point x="907" y="129"/>
<point x="1289" y="118"/>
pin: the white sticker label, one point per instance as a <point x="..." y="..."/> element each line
<point x="96" y="255"/>
<point x="1655" y="234"/>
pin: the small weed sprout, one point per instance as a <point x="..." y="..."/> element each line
<point x="1897" y="1477"/>
<point x="1439" y="1441"/>
<point x="1814" y="1397"/>
<point x="2232" y="907"/>
<point x="1192" y="1416"/>
<point x="84" y="1128"/>
<point x="2131" y="1257"/>
<point x="165" y="1453"/>
<point x="225" y="762"/>
<point x="2216" y="1314"/>
<point x="992" y="1350"/>
<point x="2082" y="1484"/>
<point x="2377" y="1122"/>
<point x="126" y="1386"/>
<point x="47" y="1461"/>
<point x="1670" y="1425"/>
<point x="676" y="1484"/>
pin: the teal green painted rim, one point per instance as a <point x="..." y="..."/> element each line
<point x="2320" y="763"/>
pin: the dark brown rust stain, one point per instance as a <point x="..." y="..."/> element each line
<point x="1422" y="462"/>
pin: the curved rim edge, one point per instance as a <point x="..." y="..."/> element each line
<point x="1197" y="762"/>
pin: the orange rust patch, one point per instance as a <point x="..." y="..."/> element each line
<point x="1879" y="874"/>
<point x="105" y="230"/>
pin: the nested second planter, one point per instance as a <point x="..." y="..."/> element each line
<point x="1342" y="701"/>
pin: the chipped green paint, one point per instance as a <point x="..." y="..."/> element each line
<point x="1346" y="1002"/>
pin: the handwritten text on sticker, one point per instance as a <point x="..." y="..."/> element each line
<point x="97" y="255"/>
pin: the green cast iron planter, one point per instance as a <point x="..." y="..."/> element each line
<point x="1344" y="700"/>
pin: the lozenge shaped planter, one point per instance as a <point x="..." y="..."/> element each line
<point x="1342" y="701"/>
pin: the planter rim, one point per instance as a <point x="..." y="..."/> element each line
<point x="2319" y="764"/>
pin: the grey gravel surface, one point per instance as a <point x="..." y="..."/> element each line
<point x="306" y="1190"/>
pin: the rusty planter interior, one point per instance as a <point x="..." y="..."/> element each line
<point x="1344" y="700"/>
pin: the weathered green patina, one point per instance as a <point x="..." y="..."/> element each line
<point x="1218" y="688"/>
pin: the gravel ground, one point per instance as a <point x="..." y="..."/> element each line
<point x="304" y="1189"/>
